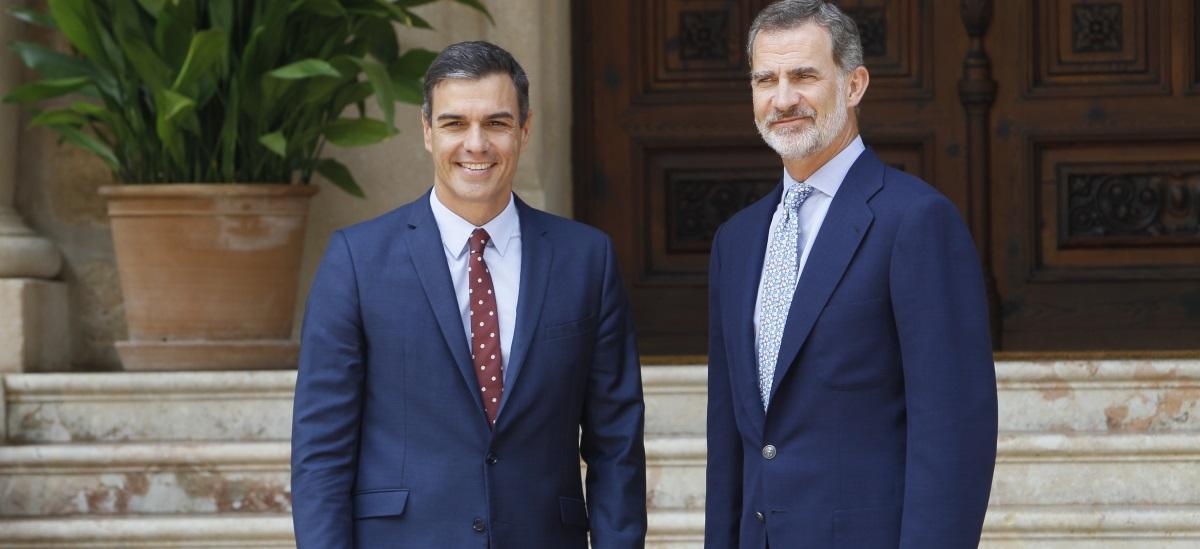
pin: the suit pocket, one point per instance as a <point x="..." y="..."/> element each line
<point x="574" y="511"/>
<point x="380" y="503"/>
<point x="867" y="528"/>
<point x="568" y="329"/>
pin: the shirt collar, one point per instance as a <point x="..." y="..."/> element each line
<point x="456" y="231"/>
<point x="828" y="178"/>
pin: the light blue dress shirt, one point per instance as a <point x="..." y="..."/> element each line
<point x="502" y="255"/>
<point x="826" y="181"/>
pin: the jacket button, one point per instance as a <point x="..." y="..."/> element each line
<point x="478" y="525"/>
<point x="761" y="517"/>
<point x="491" y="458"/>
<point x="769" y="451"/>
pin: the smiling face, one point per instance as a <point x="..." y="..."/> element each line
<point x="802" y="99"/>
<point x="475" y="138"/>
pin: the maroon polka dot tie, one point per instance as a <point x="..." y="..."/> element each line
<point x="485" y="328"/>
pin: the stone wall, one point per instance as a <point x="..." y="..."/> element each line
<point x="55" y="189"/>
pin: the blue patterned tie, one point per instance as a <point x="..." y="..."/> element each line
<point x="779" y="283"/>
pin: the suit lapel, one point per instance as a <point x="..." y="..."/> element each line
<point x="537" y="255"/>
<point x="429" y="260"/>
<point x="838" y="239"/>
<point x="745" y="358"/>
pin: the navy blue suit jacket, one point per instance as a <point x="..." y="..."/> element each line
<point x="390" y="444"/>
<point x="882" y="412"/>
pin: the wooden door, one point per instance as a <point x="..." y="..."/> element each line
<point x="666" y="150"/>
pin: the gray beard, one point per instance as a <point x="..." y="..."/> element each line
<point x="801" y="143"/>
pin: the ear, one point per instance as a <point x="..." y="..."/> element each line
<point x="428" y="131"/>
<point x="856" y="86"/>
<point x="525" y="129"/>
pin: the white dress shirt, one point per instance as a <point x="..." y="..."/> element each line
<point x="502" y="254"/>
<point x="825" y="182"/>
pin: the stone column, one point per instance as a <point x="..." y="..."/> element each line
<point x="32" y="304"/>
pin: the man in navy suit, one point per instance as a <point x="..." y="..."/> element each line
<point x="462" y="352"/>
<point x="852" y="394"/>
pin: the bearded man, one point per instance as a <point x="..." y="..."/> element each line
<point x="852" y="393"/>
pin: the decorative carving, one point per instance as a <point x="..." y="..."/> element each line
<point x="1096" y="28"/>
<point x="704" y="35"/>
<point x="1100" y="49"/>
<point x="1149" y="205"/>
<point x="700" y="202"/>
<point x="977" y="92"/>
<point x="872" y="27"/>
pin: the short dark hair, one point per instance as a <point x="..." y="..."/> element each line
<point x="789" y="14"/>
<point x="472" y="61"/>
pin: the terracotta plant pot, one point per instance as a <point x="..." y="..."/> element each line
<point x="208" y="273"/>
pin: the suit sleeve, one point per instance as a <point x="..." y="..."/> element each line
<point x="326" y="412"/>
<point x="723" y="500"/>
<point x="613" y="422"/>
<point x="949" y="377"/>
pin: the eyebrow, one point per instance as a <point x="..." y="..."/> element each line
<point x="502" y="115"/>
<point x="798" y="71"/>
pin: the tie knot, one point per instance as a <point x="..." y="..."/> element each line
<point x="479" y="239"/>
<point x="796" y="196"/>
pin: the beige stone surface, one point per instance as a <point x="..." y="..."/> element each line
<point x="196" y="443"/>
<point x="33" y="327"/>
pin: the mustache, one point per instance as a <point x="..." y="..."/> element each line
<point x="793" y="112"/>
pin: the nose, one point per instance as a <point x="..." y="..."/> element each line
<point x="476" y="140"/>
<point x="786" y="96"/>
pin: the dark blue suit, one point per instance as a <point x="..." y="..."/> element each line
<point x="390" y="443"/>
<point x="882" y="414"/>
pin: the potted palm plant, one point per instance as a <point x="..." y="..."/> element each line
<point x="213" y="116"/>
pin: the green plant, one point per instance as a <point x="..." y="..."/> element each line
<point x="223" y="90"/>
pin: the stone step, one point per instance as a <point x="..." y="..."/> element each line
<point x="1031" y="468"/>
<point x="253" y="477"/>
<point x="1006" y="527"/>
<point x="1055" y="396"/>
<point x="148" y="406"/>
<point x="667" y="530"/>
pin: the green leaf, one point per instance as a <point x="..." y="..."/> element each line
<point x="88" y="143"/>
<point x="354" y="132"/>
<point x="50" y="63"/>
<point x="477" y="5"/>
<point x="154" y="7"/>
<point x="228" y="138"/>
<point x="416" y="21"/>
<point x="45" y="89"/>
<point x="340" y="175"/>
<point x="74" y="19"/>
<point x="220" y="14"/>
<point x="174" y="31"/>
<point x="413" y="64"/>
<point x="58" y="117"/>
<point x="380" y="38"/>
<point x="412" y="3"/>
<point x="276" y="142"/>
<point x="385" y="93"/>
<point x="175" y="113"/>
<point x="326" y="8"/>
<point x="33" y="17"/>
<point x="206" y="56"/>
<point x="306" y="68"/>
<point x="131" y="35"/>
<point x="409" y="91"/>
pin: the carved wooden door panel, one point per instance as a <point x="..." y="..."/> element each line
<point x="1073" y="160"/>
<point x="665" y="145"/>
<point x="1096" y="173"/>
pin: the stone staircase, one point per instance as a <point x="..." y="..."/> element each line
<point x="1093" y="453"/>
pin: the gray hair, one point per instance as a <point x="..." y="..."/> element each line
<point x="472" y="61"/>
<point x="789" y="14"/>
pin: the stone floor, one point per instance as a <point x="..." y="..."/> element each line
<point x="1092" y="453"/>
